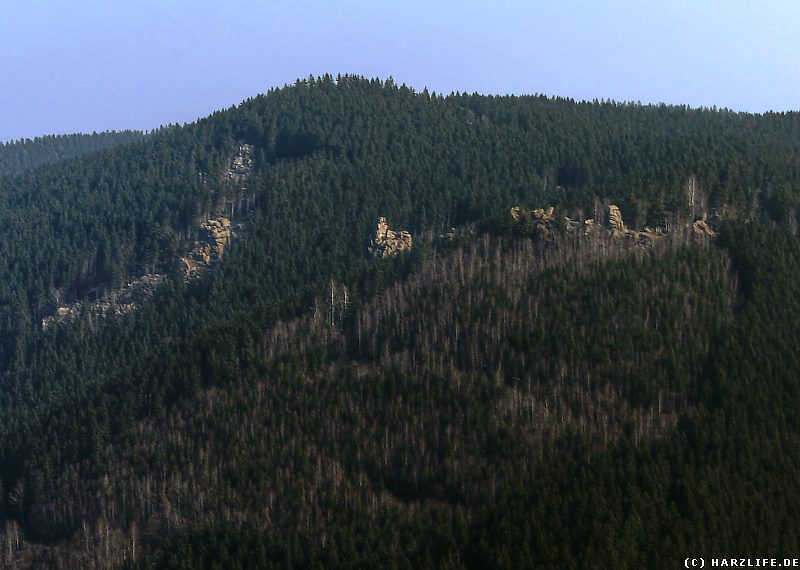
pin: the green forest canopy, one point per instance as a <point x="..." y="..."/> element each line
<point x="330" y="157"/>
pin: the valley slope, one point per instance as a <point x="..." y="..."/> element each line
<point x="498" y="395"/>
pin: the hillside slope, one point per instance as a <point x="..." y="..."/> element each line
<point x="19" y="156"/>
<point x="539" y="403"/>
<point x="437" y="400"/>
<point x="564" y="404"/>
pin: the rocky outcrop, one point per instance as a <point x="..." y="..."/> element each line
<point x="243" y="161"/>
<point x="544" y="222"/>
<point x="389" y="242"/>
<point x="219" y="234"/>
<point x="115" y="304"/>
<point x="704" y="227"/>
<point x="615" y="221"/>
<point x="544" y="214"/>
<point x="650" y="235"/>
<point x="125" y="300"/>
<point x="241" y="164"/>
<point x="216" y="235"/>
<point x="542" y="219"/>
<point x="61" y="315"/>
<point x="65" y="312"/>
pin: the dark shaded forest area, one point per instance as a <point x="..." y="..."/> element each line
<point x="489" y="399"/>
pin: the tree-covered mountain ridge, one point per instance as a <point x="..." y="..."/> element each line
<point x="464" y="403"/>
<point x="435" y="325"/>
<point x="21" y="155"/>
<point x="540" y="223"/>
<point x="196" y="259"/>
<point x="456" y="354"/>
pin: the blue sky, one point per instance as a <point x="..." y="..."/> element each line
<point x="69" y="66"/>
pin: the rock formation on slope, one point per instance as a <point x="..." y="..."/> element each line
<point x="115" y="304"/>
<point x="704" y="227"/>
<point x="216" y="235"/>
<point x="541" y="218"/>
<point x="242" y="164"/>
<point x="545" y="221"/>
<point x="389" y="242"/>
<point x="615" y="221"/>
<point x="209" y="249"/>
<point x="219" y="233"/>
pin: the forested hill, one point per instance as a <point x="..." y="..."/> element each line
<point x="21" y="155"/>
<point x="494" y="397"/>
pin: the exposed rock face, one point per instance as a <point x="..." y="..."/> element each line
<point x="219" y="232"/>
<point x="61" y="315"/>
<point x="64" y="312"/>
<point x="216" y="235"/>
<point x="124" y="301"/>
<point x="540" y="214"/>
<point x="615" y="221"/>
<point x="618" y="230"/>
<point x="242" y="164"/>
<point x="544" y="214"/>
<point x="243" y="161"/>
<point x="702" y="228"/>
<point x="114" y="304"/>
<point x="211" y="247"/>
<point x="545" y="220"/>
<point x="649" y="235"/>
<point x="389" y="242"/>
<point x="542" y="219"/>
<point x="544" y="223"/>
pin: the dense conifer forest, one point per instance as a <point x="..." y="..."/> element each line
<point x="24" y="154"/>
<point x="496" y="397"/>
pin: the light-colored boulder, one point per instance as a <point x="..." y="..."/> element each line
<point x="702" y="229"/>
<point x="389" y="242"/>
<point x="544" y="214"/>
<point x="615" y="221"/>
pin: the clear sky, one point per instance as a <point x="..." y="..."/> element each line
<point x="79" y="66"/>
